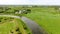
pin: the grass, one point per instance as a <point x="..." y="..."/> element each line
<point x="9" y="25"/>
<point x="47" y="18"/>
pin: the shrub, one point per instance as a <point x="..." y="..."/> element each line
<point x="28" y="10"/>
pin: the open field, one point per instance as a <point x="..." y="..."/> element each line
<point x="9" y="25"/>
<point x="47" y="18"/>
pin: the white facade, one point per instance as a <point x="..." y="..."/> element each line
<point x="18" y="12"/>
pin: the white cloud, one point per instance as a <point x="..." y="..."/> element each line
<point x="29" y="2"/>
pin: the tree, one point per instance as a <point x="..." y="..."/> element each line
<point x="28" y="10"/>
<point x="57" y="9"/>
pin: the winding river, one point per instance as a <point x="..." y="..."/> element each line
<point x="35" y="28"/>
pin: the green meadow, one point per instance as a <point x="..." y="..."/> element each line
<point x="46" y="17"/>
<point x="10" y="25"/>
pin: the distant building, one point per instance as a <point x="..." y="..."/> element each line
<point x="23" y="11"/>
<point x="18" y="12"/>
<point x="59" y="8"/>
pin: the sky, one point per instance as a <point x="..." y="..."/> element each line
<point x="29" y="2"/>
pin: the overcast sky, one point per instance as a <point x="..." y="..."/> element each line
<point x="29" y="2"/>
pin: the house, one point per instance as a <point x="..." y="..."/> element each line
<point x="18" y="12"/>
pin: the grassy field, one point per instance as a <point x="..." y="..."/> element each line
<point x="47" y="17"/>
<point x="9" y="25"/>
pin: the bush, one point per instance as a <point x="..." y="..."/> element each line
<point x="28" y="10"/>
